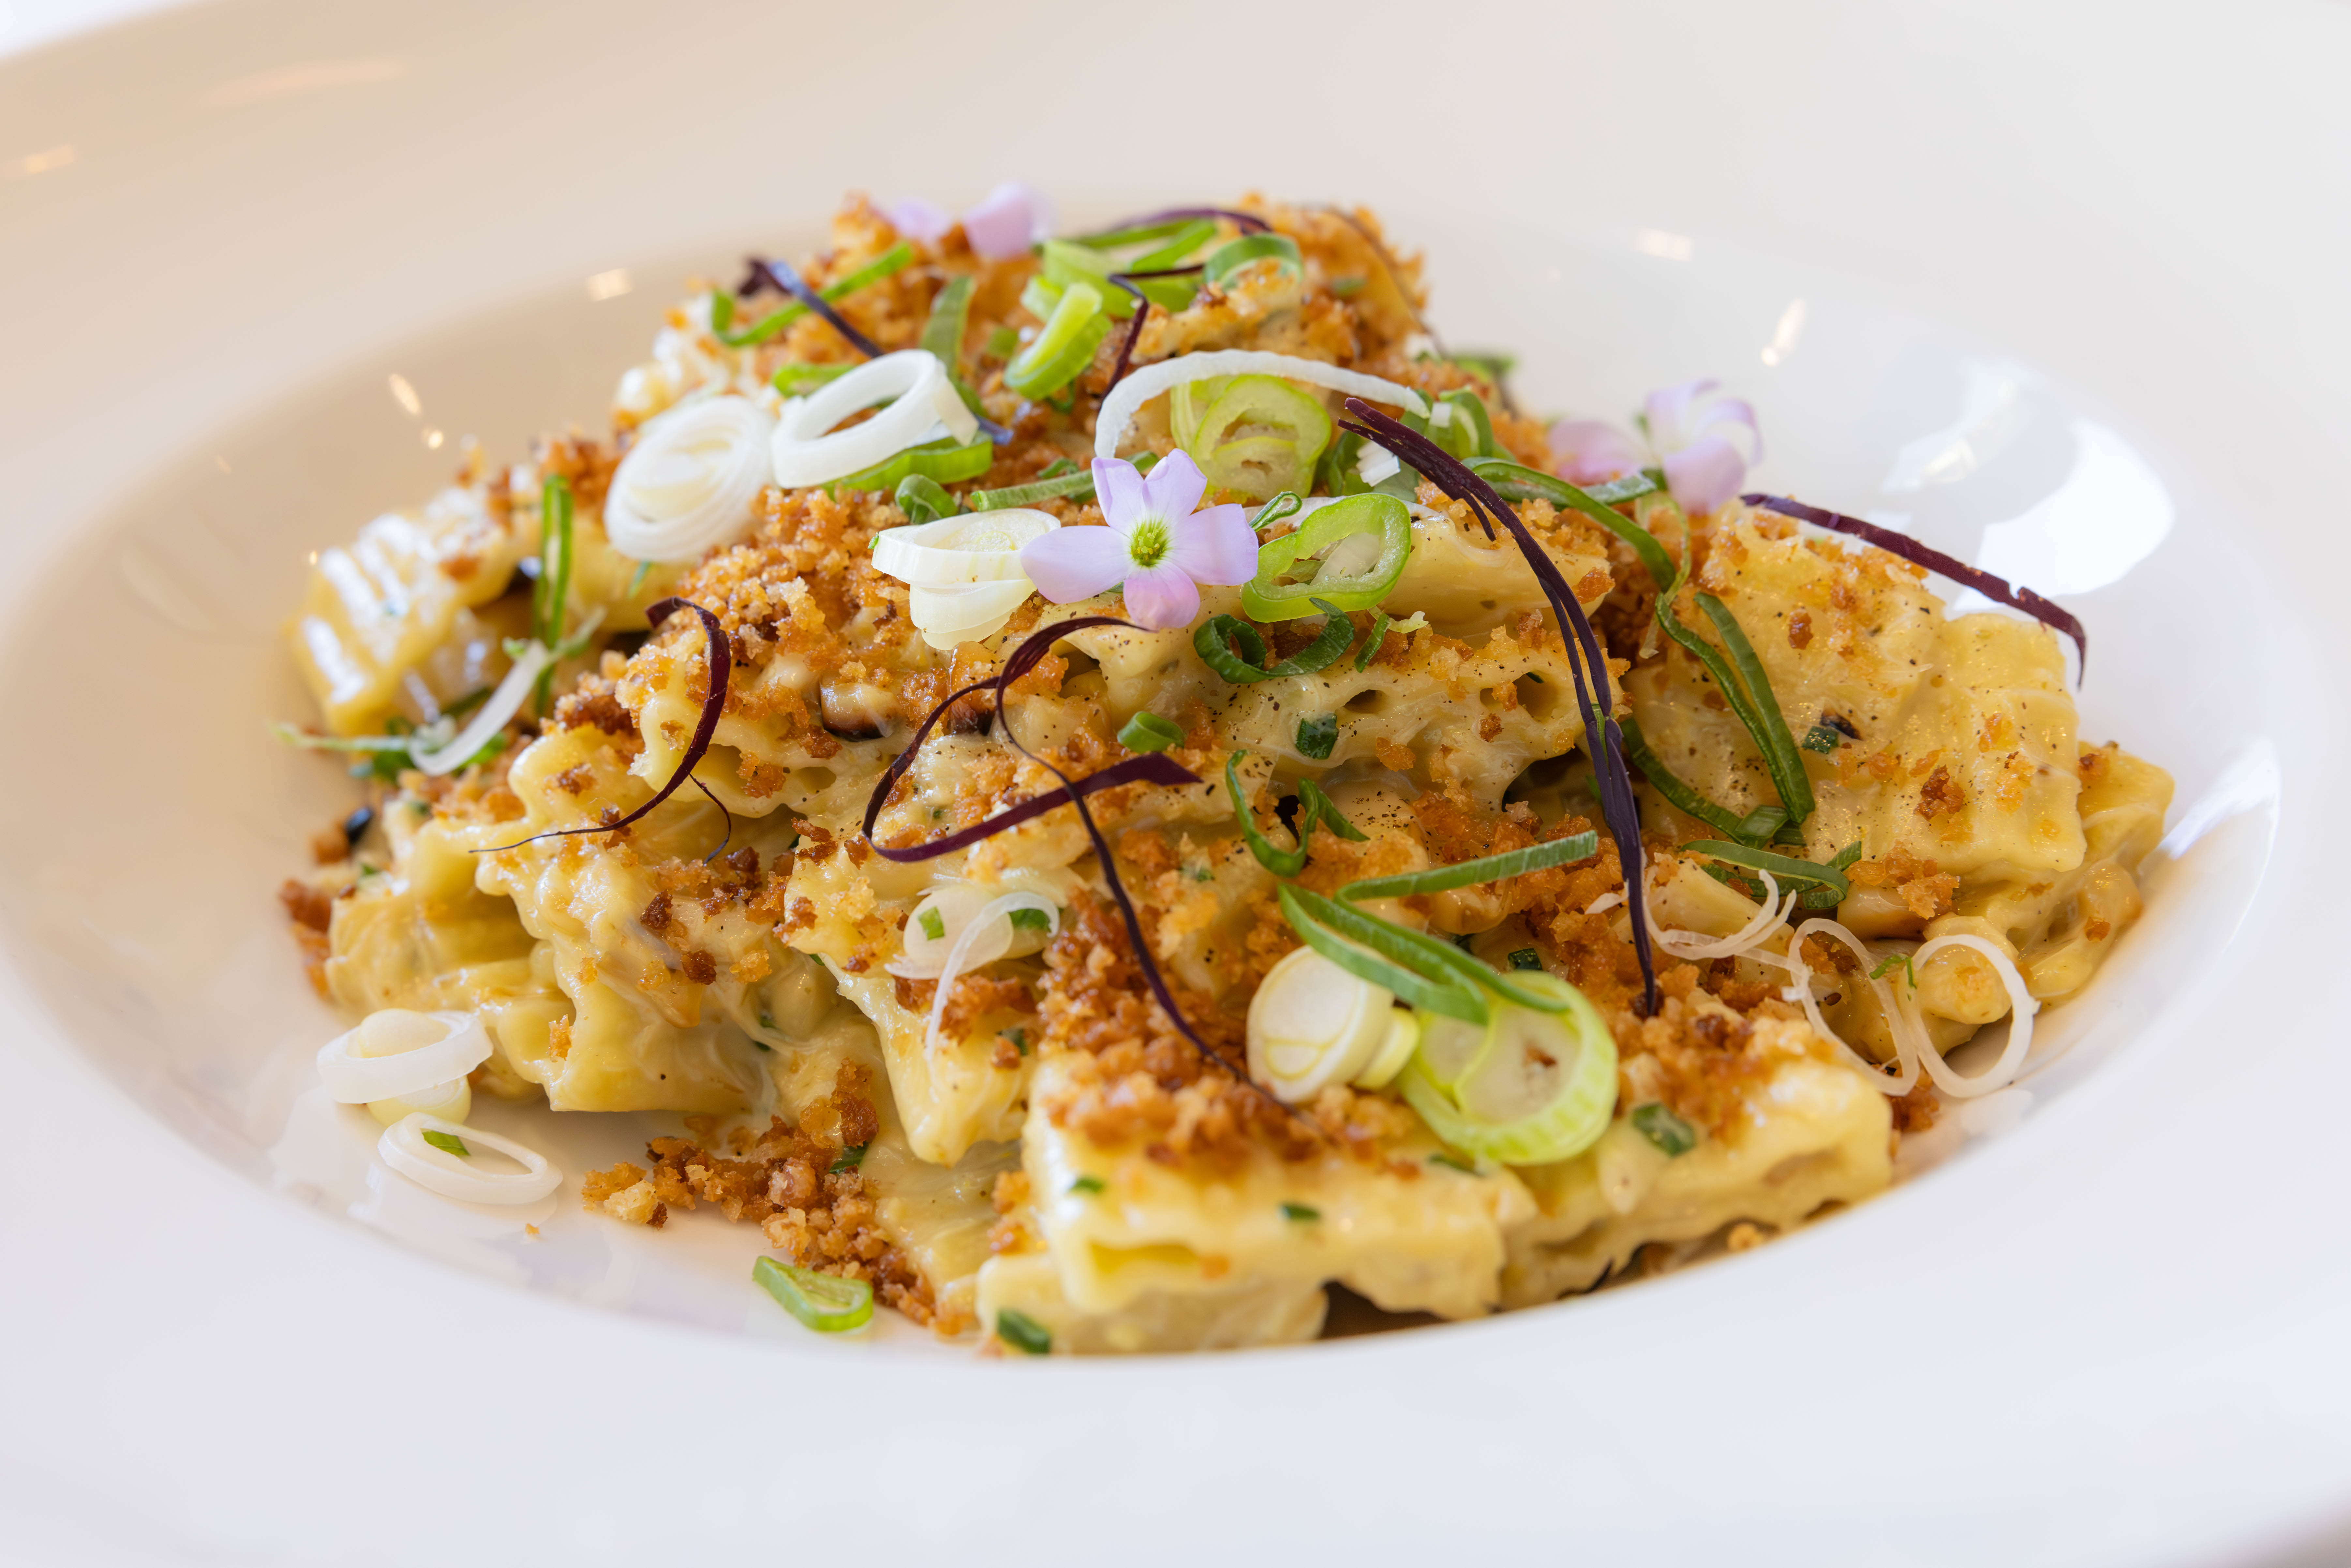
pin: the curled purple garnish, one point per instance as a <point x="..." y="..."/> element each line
<point x="1127" y="281"/>
<point x="721" y="666"/>
<point x="1617" y="805"/>
<point x="1151" y="768"/>
<point x="1917" y="554"/>
<point x="785" y="276"/>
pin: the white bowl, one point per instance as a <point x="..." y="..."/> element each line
<point x="2108" y="1330"/>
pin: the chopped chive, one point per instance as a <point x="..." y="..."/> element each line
<point x="793" y="380"/>
<point x="1486" y="868"/>
<point x="1885" y="967"/>
<point x="1783" y="867"/>
<point x="448" y="1141"/>
<point x="1003" y="343"/>
<point x="1347" y="287"/>
<point x="1062" y="481"/>
<point x="1022" y="1332"/>
<point x="1372" y="640"/>
<point x="1146" y="731"/>
<point x="849" y="1159"/>
<point x="1525" y="958"/>
<point x="1030" y="920"/>
<point x="1087" y="1183"/>
<point x="1202" y="874"/>
<point x="1019" y="1037"/>
<point x="1668" y="1134"/>
<point x="1299" y="1211"/>
<point x="1448" y="1160"/>
<point x="924" y="500"/>
<point x="934" y="925"/>
<point x="722" y="306"/>
<point x="1318" y="735"/>
<point x="1823" y="739"/>
<point x="825" y="1302"/>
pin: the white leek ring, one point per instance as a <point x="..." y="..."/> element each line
<point x="690" y="481"/>
<point x="395" y="1052"/>
<point x="496" y="711"/>
<point x="1127" y="399"/>
<point x="923" y="406"/>
<point x="955" y="552"/>
<point x="1312" y="1024"/>
<point x="2001" y="1074"/>
<point x="946" y="616"/>
<point x="403" y="1149"/>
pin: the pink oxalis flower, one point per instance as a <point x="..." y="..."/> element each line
<point x="1705" y="444"/>
<point x="1005" y="224"/>
<point x="1158" y="547"/>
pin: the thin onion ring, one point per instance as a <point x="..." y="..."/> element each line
<point x="995" y="912"/>
<point x="1800" y="989"/>
<point x="358" y="1080"/>
<point x="2021" y="1005"/>
<point x="806" y="450"/>
<point x="725" y="512"/>
<point x="403" y="1149"/>
<point x="496" y="711"/>
<point x="1127" y="399"/>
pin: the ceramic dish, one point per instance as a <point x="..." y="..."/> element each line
<point x="2098" y="1332"/>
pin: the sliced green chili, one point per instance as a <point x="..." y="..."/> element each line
<point x="825" y="1302"/>
<point x="1232" y="647"/>
<point x="1234" y="254"/>
<point x="1268" y="598"/>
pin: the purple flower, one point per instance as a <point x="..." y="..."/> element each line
<point x="1157" y="547"/>
<point x="917" y="219"/>
<point x="1012" y="217"/>
<point x="1691" y="435"/>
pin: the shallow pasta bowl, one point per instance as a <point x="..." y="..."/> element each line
<point x="2100" y="1329"/>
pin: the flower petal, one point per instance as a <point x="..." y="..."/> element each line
<point x="1118" y="488"/>
<point x="1667" y="415"/>
<point x="1071" y="564"/>
<point x="1727" y="416"/>
<point x="1160" y="600"/>
<point x="1593" y="450"/>
<point x="1013" y="217"/>
<point x="917" y="219"/>
<point x="1216" y="546"/>
<point x="1175" y="487"/>
<point x="1702" y="475"/>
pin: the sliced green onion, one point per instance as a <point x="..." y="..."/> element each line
<point x="849" y="1159"/>
<point x="943" y="331"/>
<point x="636" y="580"/>
<point x="1029" y="919"/>
<point x="934" y="925"/>
<point x="449" y="1142"/>
<point x="1261" y="435"/>
<point x="1347" y="287"/>
<point x="1525" y="958"/>
<point x="1146" y="731"/>
<point x="793" y="380"/>
<point x="1233" y="255"/>
<point x="1064" y="348"/>
<point x="1022" y="1332"/>
<point x="1778" y="746"/>
<point x="1381" y="966"/>
<point x="1381" y="518"/>
<point x="825" y="1302"/>
<point x="554" y="586"/>
<point x="1488" y="868"/>
<point x="1003" y="343"/>
<point x="722" y="306"/>
<point x="1275" y="858"/>
<point x="1668" y="1134"/>
<point x="941" y="461"/>
<point x="1450" y="1163"/>
<point x="1299" y="1211"/>
<point x="1517" y="482"/>
<point x="1828" y="897"/>
<point x="1468" y="431"/>
<point x="1087" y="1183"/>
<point x="1822" y="740"/>
<point x="1019" y="1037"/>
<point x="1372" y="640"/>
<point x="1542" y="1088"/>
<point x="1886" y="966"/>
<point x="1231" y="647"/>
<point x="1063" y="480"/>
<point x="924" y="499"/>
<point x="1493" y="367"/>
<point x="1759" y="825"/>
<point x="1408" y="947"/>
<point x="1317" y="736"/>
<point x="1314" y="806"/>
<point x="1784" y="867"/>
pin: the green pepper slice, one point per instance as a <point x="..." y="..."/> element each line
<point x="1383" y="518"/>
<point x="1260" y="436"/>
